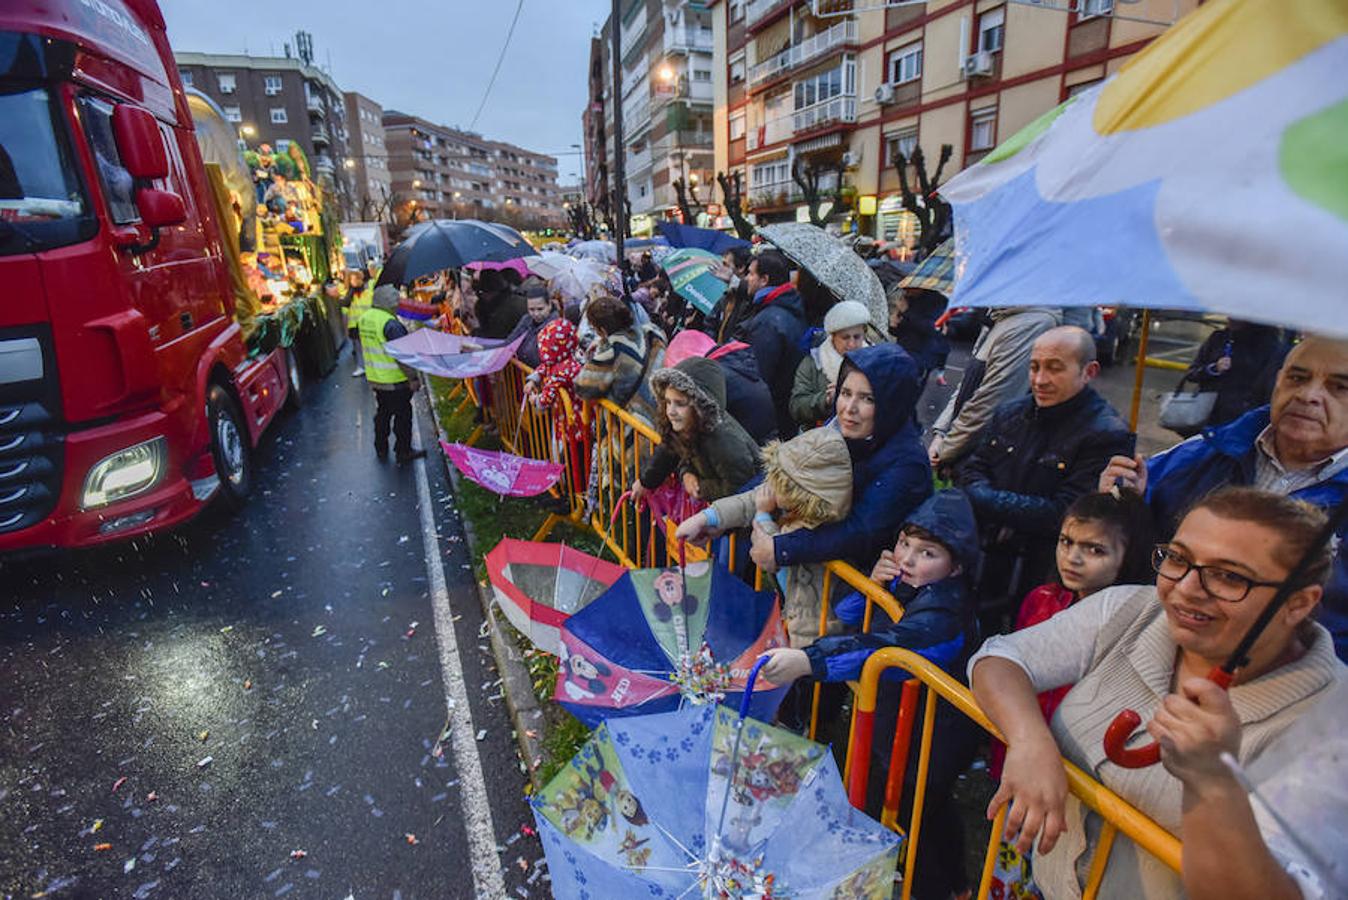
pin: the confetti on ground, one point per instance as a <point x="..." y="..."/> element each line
<point x="118" y="783"/>
<point x="247" y="684"/>
<point x="202" y="737"/>
<point x="203" y="763"/>
<point x="128" y="865"/>
<point x="152" y="796"/>
<point x="319" y="631"/>
<point x="411" y="839"/>
<point x="482" y="735"/>
<point x="99" y="848"/>
<point x="275" y="594"/>
<point x="97" y="826"/>
<point x="298" y="854"/>
<point x="227" y="629"/>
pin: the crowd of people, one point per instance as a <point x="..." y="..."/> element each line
<point x="1036" y="556"/>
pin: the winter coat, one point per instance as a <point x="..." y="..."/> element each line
<point x="498" y="312"/>
<point x="917" y="332"/>
<point x="620" y="370"/>
<point x="747" y="397"/>
<point x="810" y="402"/>
<point x="558" y="366"/>
<point x="730" y="314"/>
<point x="1224" y="456"/>
<point x="999" y="371"/>
<point x="811" y="477"/>
<point x="773" y="331"/>
<point x="1031" y="463"/>
<point x="1256" y="352"/>
<point x="722" y="455"/>
<point x="938" y="619"/>
<point x="528" y="349"/>
<point x="891" y="474"/>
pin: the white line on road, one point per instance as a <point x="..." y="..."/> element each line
<point x="487" y="879"/>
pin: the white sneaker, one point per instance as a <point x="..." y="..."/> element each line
<point x="357" y="373"/>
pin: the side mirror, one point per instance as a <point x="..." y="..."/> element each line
<point x="139" y="142"/>
<point x="159" y="209"/>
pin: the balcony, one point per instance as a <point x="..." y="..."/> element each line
<point x="638" y="162"/>
<point x="319" y="137"/>
<point x="839" y="35"/>
<point x="838" y="109"/>
<point x="315" y="106"/>
<point x="770" y="132"/>
<point x="776" y="193"/>
<point x="760" y="9"/>
<point x="323" y="164"/>
<point x="688" y="40"/>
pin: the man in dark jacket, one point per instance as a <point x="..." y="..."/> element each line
<point x="499" y="306"/>
<point x="1038" y="453"/>
<point x="774" y="330"/>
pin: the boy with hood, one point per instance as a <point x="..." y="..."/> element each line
<point x="810" y="477"/>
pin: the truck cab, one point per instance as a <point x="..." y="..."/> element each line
<point x="128" y="397"/>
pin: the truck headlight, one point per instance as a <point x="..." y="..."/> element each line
<point x="125" y="473"/>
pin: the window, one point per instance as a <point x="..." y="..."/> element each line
<point x="983" y="130"/>
<point x="119" y="188"/>
<point x="278" y="115"/>
<point x="186" y="76"/>
<point x="902" y="142"/>
<point x="233" y="114"/>
<point x="737" y="70"/>
<point x="905" y="64"/>
<point x="992" y="29"/>
<point x="1088" y="8"/>
<point x="271" y="84"/>
<point x="1084" y="86"/>
<point x="702" y="74"/>
<point x="226" y="82"/>
<point x="819" y="88"/>
<point x="737" y="128"/>
<point x="736" y="11"/>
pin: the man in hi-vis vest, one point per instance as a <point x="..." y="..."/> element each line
<point x="393" y="383"/>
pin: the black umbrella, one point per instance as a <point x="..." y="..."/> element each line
<point x="440" y="244"/>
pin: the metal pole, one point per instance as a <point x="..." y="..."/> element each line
<point x="619" y="175"/>
<point x="1141" y="369"/>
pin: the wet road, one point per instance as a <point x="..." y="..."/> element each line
<point x="253" y="706"/>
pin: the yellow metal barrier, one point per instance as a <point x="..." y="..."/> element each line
<point x="1119" y="816"/>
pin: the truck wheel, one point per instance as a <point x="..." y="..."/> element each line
<point x="229" y="447"/>
<point x="295" y="396"/>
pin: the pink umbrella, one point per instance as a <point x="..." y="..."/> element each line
<point x="518" y="264"/>
<point x="502" y="473"/>
<point x="452" y="355"/>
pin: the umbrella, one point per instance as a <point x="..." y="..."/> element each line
<point x="661" y="637"/>
<point x="452" y="355"/>
<point x="833" y="264"/>
<point x="539" y="586"/>
<point x="568" y="275"/>
<point x="936" y="272"/>
<point x="599" y="251"/>
<point x="702" y="803"/>
<point x="709" y="239"/>
<point x="520" y="264"/>
<point x="451" y="244"/>
<point x="1144" y="191"/>
<point x="502" y="473"/>
<point x="691" y="274"/>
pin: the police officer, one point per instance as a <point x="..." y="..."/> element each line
<point x="393" y="383"/>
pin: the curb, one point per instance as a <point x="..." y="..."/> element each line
<point x="526" y="716"/>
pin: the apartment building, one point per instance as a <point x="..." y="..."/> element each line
<point x="596" y="181"/>
<point x="857" y="88"/>
<point x="367" y="164"/>
<point x="666" y="103"/>
<point x="445" y="173"/>
<point x="279" y="100"/>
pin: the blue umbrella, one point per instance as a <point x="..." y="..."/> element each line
<point x="717" y="242"/>
<point x="658" y="639"/>
<point x="701" y="802"/>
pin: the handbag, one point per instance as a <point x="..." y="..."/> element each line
<point x="1186" y="412"/>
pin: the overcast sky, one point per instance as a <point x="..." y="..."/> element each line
<point x="431" y="58"/>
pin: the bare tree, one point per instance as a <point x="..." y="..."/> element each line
<point x="933" y="213"/>
<point x="807" y="176"/>
<point x="688" y="201"/>
<point x="732" y="190"/>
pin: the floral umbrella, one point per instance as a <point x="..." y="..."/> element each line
<point x="833" y="264"/>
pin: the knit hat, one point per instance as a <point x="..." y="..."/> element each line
<point x="385" y="297"/>
<point x="846" y="314"/>
<point x="811" y="475"/>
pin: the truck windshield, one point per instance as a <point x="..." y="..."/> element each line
<point x="42" y="202"/>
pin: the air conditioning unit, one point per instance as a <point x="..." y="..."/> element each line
<point x="851" y="159"/>
<point x="977" y="65"/>
<point x="884" y="94"/>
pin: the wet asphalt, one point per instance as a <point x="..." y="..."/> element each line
<point x="250" y="706"/>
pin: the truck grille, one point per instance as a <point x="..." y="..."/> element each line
<point x="30" y="464"/>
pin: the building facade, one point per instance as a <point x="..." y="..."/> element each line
<point x="595" y="122"/>
<point x="443" y="173"/>
<point x="277" y="101"/>
<point x="368" y="163"/>
<point x="853" y="91"/>
<point x="666" y="103"/>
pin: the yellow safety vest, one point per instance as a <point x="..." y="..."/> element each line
<point x="360" y="304"/>
<point x="380" y="368"/>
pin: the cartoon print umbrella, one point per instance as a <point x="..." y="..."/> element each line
<point x="540" y="585"/>
<point x="833" y="264"/>
<point x="452" y="355"/>
<point x="661" y="638"/>
<point x="692" y="275"/>
<point x="502" y="473"/>
<point x="1142" y="192"/>
<point x="702" y="803"/>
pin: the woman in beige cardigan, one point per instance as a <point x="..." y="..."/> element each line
<point x="1149" y="649"/>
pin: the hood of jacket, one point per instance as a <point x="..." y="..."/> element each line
<point x="949" y="518"/>
<point x="811" y="476"/>
<point x="701" y="381"/>
<point x="894" y="383"/>
<point x="782" y="296"/>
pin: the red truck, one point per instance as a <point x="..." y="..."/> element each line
<point x="128" y="397"/>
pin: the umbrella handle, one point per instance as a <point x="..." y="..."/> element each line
<point x="749" y="685"/>
<point x="1126" y="722"/>
<point x="617" y="507"/>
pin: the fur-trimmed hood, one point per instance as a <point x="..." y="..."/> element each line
<point x="811" y="476"/>
<point x="702" y="381"/>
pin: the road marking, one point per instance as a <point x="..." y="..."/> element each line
<point x="487" y="879"/>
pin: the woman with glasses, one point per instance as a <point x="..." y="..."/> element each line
<point x="1149" y="649"/>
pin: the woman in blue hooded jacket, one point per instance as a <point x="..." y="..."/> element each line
<point x="891" y="476"/>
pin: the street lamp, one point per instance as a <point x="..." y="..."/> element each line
<point x="248" y="130"/>
<point x="349" y="163"/>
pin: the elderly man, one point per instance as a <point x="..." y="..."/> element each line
<point x="1038" y="453"/>
<point x="1297" y="445"/>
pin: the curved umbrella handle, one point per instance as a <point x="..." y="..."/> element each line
<point x="1126" y="722"/>
<point x="618" y="505"/>
<point x="749" y="685"/>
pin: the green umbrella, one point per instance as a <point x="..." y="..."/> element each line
<point x="691" y="274"/>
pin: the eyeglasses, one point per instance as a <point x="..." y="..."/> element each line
<point x="1220" y="583"/>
